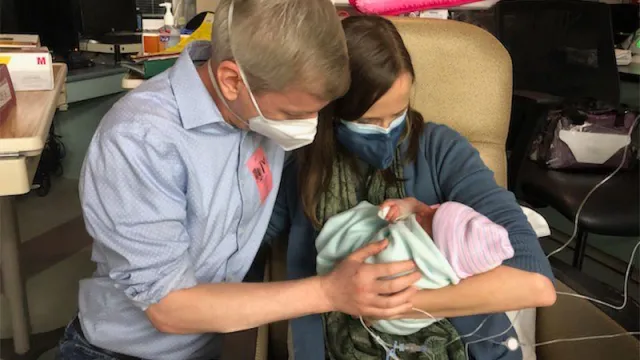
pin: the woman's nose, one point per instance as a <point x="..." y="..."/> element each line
<point x="385" y="123"/>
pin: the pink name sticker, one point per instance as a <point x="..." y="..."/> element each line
<point x="259" y="166"/>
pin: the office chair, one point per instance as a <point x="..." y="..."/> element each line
<point x="563" y="49"/>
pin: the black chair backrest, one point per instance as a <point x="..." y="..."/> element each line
<point x="560" y="47"/>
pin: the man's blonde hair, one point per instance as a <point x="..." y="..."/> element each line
<point x="284" y="44"/>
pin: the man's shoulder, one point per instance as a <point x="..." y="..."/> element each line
<point x="152" y="103"/>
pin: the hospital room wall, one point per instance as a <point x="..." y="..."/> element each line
<point x="206" y="5"/>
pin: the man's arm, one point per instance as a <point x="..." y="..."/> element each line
<point x="224" y="308"/>
<point x="353" y="287"/>
<point x="135" y="207"/>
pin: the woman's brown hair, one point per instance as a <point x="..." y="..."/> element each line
<point x="377" y="57"/>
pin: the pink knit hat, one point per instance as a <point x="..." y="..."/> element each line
<point x="471" y="242"/>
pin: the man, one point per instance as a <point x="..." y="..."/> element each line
<point x="180" y="181"/>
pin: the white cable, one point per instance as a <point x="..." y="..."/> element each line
<point x="575" y="231"/>
<point x="473" y="332"/>
<point x="424" y="312"/>
<point x="616" y="307"/>
<point x="626" y="286"/>
<point x="461" y="336"/>
<point x="596" y="337"/>
<point x="377" y="338"/>
<point x="490" y="338"/>
<point x="386" y="346"/>
<point x="584" y="201"/>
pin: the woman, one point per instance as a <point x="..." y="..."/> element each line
<point x="371" y="145"/>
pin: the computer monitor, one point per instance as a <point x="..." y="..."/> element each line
<point x="56" y="21"/>
<point x="100" y="17"/>
<point x="624" y="21"/>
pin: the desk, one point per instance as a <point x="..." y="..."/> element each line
<point x="631" y="69"/>
<point x="131" y="81"/>
<point x="21" y="142"/>
<point x="94" y="82"/>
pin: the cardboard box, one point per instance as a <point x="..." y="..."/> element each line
<point x="7" y="95"/>
<point x="30" y="69"/>
<point x="19" y="41"/>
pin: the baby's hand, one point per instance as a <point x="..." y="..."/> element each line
<point x="396" y="209"/>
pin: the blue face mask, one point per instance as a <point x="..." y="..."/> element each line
<point x="373" y="144"/>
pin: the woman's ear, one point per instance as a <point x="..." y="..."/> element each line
<point x="229" y="79"/>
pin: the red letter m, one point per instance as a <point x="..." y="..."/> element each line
<point x="42" y="60"/>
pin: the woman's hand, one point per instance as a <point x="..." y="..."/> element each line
<point x="371" y="290"/>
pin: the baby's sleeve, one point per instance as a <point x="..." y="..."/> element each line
<point x="471" y="242"/>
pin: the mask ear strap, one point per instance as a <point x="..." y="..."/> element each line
<point x="216" y="87"/>
<point x="242" y="75"/>
<point x="246" y="83"/>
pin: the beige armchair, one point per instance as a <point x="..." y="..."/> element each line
<point x="463" y="79"/>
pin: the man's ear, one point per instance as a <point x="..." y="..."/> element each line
<point x="229" y="79"/>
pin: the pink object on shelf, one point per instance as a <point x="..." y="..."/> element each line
<point x="7" y="95"/>
<point x="397" y="7"/>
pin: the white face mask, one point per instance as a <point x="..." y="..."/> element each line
<point x="289" y="134"/>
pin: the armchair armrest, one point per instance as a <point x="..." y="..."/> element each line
<point x="572" y="317"/>
<point x="252" y="343"/>
<point x="583" y="284"/>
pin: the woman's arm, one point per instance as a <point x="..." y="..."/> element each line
<point x="523" y="281"/>
<point x="463" y="177"/>
<point x="499" y="290"/>
<point x="280" y="221"/>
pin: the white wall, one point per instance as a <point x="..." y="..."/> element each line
<point x="206" y="5"/>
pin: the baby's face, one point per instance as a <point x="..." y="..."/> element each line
<point x="425" y="219"/>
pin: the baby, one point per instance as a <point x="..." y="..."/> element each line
<point x="471" y="243"/>
<point x="448" y="243"/>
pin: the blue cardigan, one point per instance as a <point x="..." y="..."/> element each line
<point x="447" y="168"/>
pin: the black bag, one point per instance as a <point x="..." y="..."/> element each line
<point x="586" y="135"/>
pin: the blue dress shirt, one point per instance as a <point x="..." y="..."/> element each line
<point x="173" y="196"/>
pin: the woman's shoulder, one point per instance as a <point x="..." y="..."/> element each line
<point x="435" y="136"/>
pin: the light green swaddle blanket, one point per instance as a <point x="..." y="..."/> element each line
<point x="350" y="230"/>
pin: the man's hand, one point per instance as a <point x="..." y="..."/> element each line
<point x="360" y="289"/>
